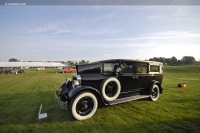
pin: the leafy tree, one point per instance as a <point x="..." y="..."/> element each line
<point x="159" y="59"/>
<point x="13" y="60"/>
<point x="188" y="60"/>
<point x="71" y="63"/>
<point x="167" y="61"/>
<point x="83" y="62"/>
<point x="173" y="60"/>
<point x="179" y="62"/>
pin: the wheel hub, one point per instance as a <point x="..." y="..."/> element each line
<point x="84" y="105"/>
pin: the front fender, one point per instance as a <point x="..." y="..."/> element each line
<point x="80" y="89"/>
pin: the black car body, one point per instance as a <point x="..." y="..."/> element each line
<point x="110" y="82"/>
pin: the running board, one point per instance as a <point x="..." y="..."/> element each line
<point x="127" y="99"/>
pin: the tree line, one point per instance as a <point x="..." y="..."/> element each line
<point x="73" y="63"/>
<point x="185" y="60"/>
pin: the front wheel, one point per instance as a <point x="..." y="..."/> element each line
<point x="155" y="92"/>
<point x="84" y="106"/>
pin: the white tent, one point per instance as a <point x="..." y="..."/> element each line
<point x="31" y="64"/>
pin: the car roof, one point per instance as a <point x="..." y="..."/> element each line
<point x="128" y="60"/>
<point x="123" y="60"/>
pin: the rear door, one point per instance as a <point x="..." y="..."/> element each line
<point x="128" y="82"/>
<point x="142" y="74"/>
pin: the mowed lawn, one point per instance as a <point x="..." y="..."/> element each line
<point x="177" y="110"/>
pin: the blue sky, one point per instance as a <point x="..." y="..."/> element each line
<point x="98" y="32"/>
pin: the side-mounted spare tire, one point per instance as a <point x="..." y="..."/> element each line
<point x="110" y="89"/>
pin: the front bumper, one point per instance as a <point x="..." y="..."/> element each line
<point x="62" y="105"/>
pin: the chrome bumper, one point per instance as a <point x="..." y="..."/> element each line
<point x="62" y="105"/>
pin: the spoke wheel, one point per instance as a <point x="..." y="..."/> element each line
<point x="83" y="106"/>
<point x="111" y="89"/>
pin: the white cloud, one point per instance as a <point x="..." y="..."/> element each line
<point x="174" y="34"/>
<point x="180" y="11"/>
<point x="167" y="35"/>
<point x="48" y="28"/>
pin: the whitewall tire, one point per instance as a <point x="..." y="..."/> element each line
<point x="84" y="106"/>
<point x="155" y="92"/>
<point x="110" y="89"/>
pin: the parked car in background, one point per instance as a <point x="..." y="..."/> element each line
<point x="11" y="71"/>
<point x="21" y="71"/>
<point x="109" y="82"/>
<point x="40" y="69"/>
<point x="59" y="68"/>
<point x="68" y="70"/>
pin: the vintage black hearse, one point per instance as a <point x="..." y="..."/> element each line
<point x="109" y="82"/>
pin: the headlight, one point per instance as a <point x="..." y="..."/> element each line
<point x="77" y="77"/>
<point x="76" y="80"/>
<point x="75" y="83"/>
<point x="68" y="80"/>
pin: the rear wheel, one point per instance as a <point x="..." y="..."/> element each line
<point x="155" y="92"/>
<point x="84" y="106"/>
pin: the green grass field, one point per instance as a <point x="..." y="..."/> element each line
<point x="177" y="110"/>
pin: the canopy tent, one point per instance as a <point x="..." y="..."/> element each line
<point x="31" y="64"/>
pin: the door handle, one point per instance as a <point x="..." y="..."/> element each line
<point x="135" y="77"/>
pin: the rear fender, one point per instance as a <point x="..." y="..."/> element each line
<point x="159" y="85"/>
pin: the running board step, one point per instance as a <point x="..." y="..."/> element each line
<point x="127" y="99"/>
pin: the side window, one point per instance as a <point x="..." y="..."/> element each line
<point x="107" y="67"/>
<point x="154" y="68"/>
<point x="126" y="67"/>
<point x="142" y="68"/>
<point x="110" y="67"/>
